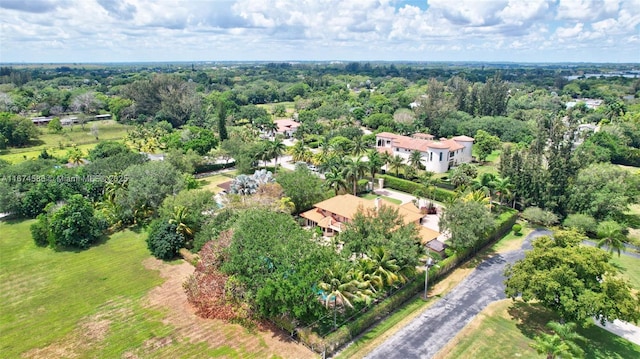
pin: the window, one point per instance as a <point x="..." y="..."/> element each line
<point x="430" y="156"/>
<point x="440" y="156"/>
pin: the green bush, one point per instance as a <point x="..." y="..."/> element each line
<point x="40" y="231"/>
<point x="208" y="167"/>
<point x="517" y="229"/>
<point x="164" y="241"/>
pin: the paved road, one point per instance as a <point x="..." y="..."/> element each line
<point x="427" y="334"/>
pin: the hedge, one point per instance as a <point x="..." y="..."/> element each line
<point x="347" y="332"/>
<point x="209" y="167"/>
<point x="402" y="185"/>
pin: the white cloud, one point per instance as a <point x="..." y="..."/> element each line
<point x="134" y="30"/>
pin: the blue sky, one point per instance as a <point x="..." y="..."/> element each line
<point x="289" y="30"/>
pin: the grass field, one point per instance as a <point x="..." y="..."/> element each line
<point x="372" y="196"/>
<point x="505" y="329"/>
<point x="58" y="144"/>
<point x="630" y="268"/>
<point x="109" y="302"/>
<point x="211" y="183"/>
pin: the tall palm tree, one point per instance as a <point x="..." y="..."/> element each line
<point x="386" y="158"/>
<point x="415" y="160"/>
<point x="503" y="188"/>
<point x="353" y="170"/>
<point x="276" y="149"/>
<point x="374" y="162"/>
<point x="396" y="163"/>
<point x="610" y="234"/>
<point x="358" y="147"/>
<point x="334" y="180"/>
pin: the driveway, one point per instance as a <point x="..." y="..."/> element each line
<point x="432" y="330"/>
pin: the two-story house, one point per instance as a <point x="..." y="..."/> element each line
<point x="437" y="155"/>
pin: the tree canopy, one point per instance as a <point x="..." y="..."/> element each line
<point x="574" y="280"/>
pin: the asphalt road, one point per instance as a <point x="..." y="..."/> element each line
<point x="433" y="329"/>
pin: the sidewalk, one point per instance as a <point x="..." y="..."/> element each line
<point x="626" y="330"/>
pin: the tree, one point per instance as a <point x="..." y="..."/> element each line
<point x="334" y="180"/>
<point x="75" y="155"/>
<point x="396" y="163"/>
<point x="415" y="159"/>
<point x="164" y="239"/>
<point x="575" y="281"/>
<point x="302" y="186"/>
<point x="276" y="265"/>
<point x="610" y="235"/>
<point x="468" y="222"/>
<point x="384" y="266"/>
<point x="560" y="344"/>
<point x="603" y="190"/>
<point x="300" y="153"/>
<point x="74" y="224"/>
<point x="105" y="149"/>
<point x="276" y="149"/>
<point x="147" y="185"/>
<point x="485" y="143"/>
<point x="339" y="285"/>
<point x="352" y="171"/>
<point x="374" y="162"/>
<point x="222" y="121"/>
<point x="54" y="125"/>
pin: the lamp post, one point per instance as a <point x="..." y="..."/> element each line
<point x="428" y="263"/>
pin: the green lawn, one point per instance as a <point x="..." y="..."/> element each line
<point x="505" y="330"/>
<point x="59" y="143"/>
<point x="94" y="304"/>
<point x="630" y="268"/>
<point x="372" y="196"/>
<point x="211" y="183"/>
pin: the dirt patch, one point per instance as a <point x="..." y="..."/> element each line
<point x="171" y="299"/>
<point x="90" y="333"/>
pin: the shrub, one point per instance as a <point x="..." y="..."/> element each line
<point x="517" y="229"/>
<point x="583" y="223"/>
<point x="40" y="231"/>
<point x="398" y="184"/>
<point x="539" y="216"/>
<point x="164" y="240"/>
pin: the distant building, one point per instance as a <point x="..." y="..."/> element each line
<point x="437" y="155"/>
<point x="589" y="102"/>
<point x="286" y="127"/>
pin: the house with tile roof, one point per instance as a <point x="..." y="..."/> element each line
<point x="437" y="155"/>
<point x="286" y="127"/>
<point x="333" y="214"/>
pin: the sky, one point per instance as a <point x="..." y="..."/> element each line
<point x="80" y="31"/>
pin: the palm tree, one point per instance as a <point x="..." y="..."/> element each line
<point x="374" y="163"/>
<point x="427" y="180"/>
<point x="276" y="149"/>
<point x="610" y="234"/>
<point x="409" y="172"/>
<point x="365" y="274"/>
<point x="180" y="217"/>
<point x="561" y="344"/>
<point x="415" y="160"/>
<point x="358" y="147"/>
<point x="386" y="158"/>
<point x="299" y="152"/>
<point x="334" y="180"/>
<point x="486" y="184"/>
<point x="75" y="155"/>
<point x="384" y="265"/>
<point x="353" y="170"/>
<point x="503" y="188"/>
<point x="339" y="285"/>
<point x="476" y="196"/>
<point x="396" y="163"/>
